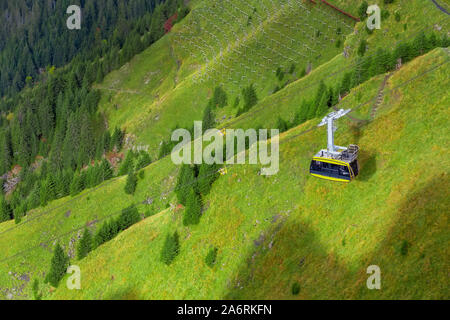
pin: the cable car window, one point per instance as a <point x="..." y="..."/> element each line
<point x="343" y="171"/>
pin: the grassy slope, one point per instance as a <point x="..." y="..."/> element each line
<point x="172" y="97"/>
<point x="159" y="98"/>
<point x="321" y="234"/>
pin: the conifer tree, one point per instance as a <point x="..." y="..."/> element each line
<point x="84" y="245"/>
<point x="208" y="118"/>
<point x="143" y="160"/>
<point x="58" y="266"/>
<point x="186" y="178"/>
<point x="170" y="249"/>
<point x="193" y="210"/>
<point x="322" y="107"/>
<point x="130" y="186"/>
<point x="76" y="186"/>
<point x="107" y="172"/>
<point x="128" y="217"/>
<point x="207" y="174"/>
<point x="127" y="165"/>
<point x="5" y="210"/>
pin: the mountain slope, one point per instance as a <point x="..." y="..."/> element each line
<point x="293" y="227"/>
<point x="270" y="231"/>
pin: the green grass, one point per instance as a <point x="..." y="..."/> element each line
<point x="322" y="235"/>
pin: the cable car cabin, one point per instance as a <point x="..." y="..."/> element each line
<point x="341" y="165"/>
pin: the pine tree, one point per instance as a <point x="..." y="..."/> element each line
<point x="322" y="107"/>
<point x="58" y="266"/>
<point x="127" y="165"/>
<point x="5" y="210"/>
<point x="186" y="178"/>
<point x="281" y="125"/>
<point x="208" y="118"/>
<point x="107" y="172"/>
<point x="128" y="217"/>
<point x="250" y="97"/>
<point x="207" y="174"/>
<point x="193" y="210"/>
<point x="211" y="257"/>
<point x="170" y="249"/>
<point x="84" y="245"/>
<point x="143" y="160"/>
<point x="76" y="186"/>
<point x="131" y="184"/>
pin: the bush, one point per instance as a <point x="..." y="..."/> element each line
<point x="362" y="11"/>
<point x="404" y="247"/>
<point x="170" y="249"/>
<point x="398" y="16"/>
<point x="362" y="48"/>
<point x="211" y="257"/>
<point x="35" y="288"/>
<point x="295" y="288"/>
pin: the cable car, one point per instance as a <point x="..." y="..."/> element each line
<point x="335" y="163"/>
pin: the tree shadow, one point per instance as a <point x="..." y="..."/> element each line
<point x="297" y="256"/>
<point x="279" y="263"/>
<point x="126" y="293"/>
<point x="368" y="165"/>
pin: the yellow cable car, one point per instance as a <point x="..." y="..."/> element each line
<point x="335" y="163"/>
<point x="343" y="167"/>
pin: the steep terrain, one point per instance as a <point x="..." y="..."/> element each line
<point x="271" y="232"/>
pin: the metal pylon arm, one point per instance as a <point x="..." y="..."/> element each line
<point x="329" y="121"/>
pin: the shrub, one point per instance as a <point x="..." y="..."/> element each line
<point x="362" y="11"/>
<point x="362" y="48"/>
<point x="295" y="288"/>
<point x="211" y="257"/>
<point x="404" y="247"/>
<point x="170" y="248"/>
<point x="398" y="16"/>
<point x="35" y="288"/>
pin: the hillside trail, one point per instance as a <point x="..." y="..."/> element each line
<point x="380" y="96"/>
<point x="378" y="100"/>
